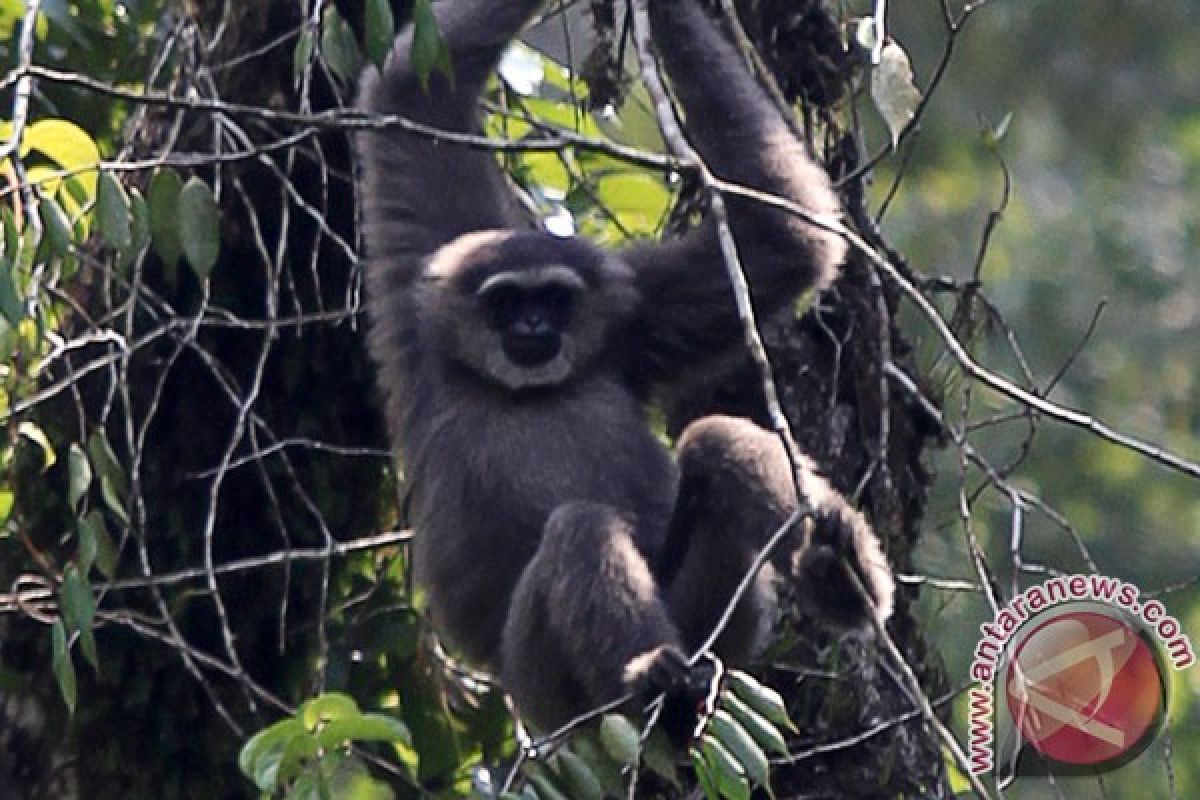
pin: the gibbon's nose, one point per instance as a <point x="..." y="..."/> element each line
<point x="532" y="349"/>
<point x="533" y="322"/>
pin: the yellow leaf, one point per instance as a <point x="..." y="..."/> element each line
<point x="44" y="178"/>
<point x="67" y="145"/>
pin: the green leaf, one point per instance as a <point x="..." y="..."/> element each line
<point x="299" y="750"/>
<point x="704" y="775"/>
<point x="87" y="645"/>
<point x="338" y="45"/>
<point x="79" y="610"/>
<point x="659" y="757"/>
<point x="80" y="474"/>
<point x="380" y="30"/>
<point x="734" y="738"/>
<point x="113" y="486"/>
<point x="755" y="724"/>
<point x="620" y="739"/>
<point x="64" y="670"/>
<point x="302" y="55"/>
<point x="78" y="604"/>
<point x="561" y="113"/>
<point x="106" y="549"/>
<point x="27" y="250"/>
<point x="266" y="769"/>
<point x="262" y="741"/>
<point x="11" y="304"/>
<point x="163" y="201"/>
<point x="324" y="790"/>
<point x="46" y="178"/>
<point x="429" y="49"/>
<point x="139" y="226"/>
<point x="57" y="225"/>
<point x="363" y="728"/>
<point x="77" y="205"/>
<point x="730" y="776"/>
<point x="635" y="192"/>
<point x="104" y="459"/>
<point x="545" y="171"/>
<point x="361" y="786"/>
<point x="260" y="757"/>
<point x="326" y="707"/>
<point x="579" y="780"/>
<point x="113" y="215"/>
<point x="607" y="771"/>
<point x="12" y="236"/>
<point x="200" y="227"/>
<point x="763" y="699"/>
<point x="89" y="545"/>
<point x="7" y="501"/>
<point x="546" y="788"/>
<point x="304" y="787"/>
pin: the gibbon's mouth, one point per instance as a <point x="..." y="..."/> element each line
<point x="532" y="349"/>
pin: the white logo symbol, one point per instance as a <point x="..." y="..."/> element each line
<point x="1047" y="699"/>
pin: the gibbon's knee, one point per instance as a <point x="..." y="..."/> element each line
<point x="586" y="621"/>
<point x="737" y="484"/>
<point x="734" y="476"/>
<point x="744" y="466"/>
<point x="581" y="531"/>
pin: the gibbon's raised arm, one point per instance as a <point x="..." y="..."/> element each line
<point x="419" y="194"/>
<point x="690" y="311"/>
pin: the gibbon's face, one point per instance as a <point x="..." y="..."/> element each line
<point x="531" y="312"/>
<point x="523" y="310"/>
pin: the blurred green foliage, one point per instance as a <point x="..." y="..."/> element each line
<point x="1104" y="152"/>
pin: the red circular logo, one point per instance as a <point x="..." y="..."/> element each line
<point x="1085" y="689"/>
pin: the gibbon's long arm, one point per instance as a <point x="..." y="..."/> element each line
<point x="690" y="314"/>
<point x="417" y="193"/>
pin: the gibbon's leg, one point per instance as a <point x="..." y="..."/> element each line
<point x="735" y="490"/>
<point x="586" y="623"/>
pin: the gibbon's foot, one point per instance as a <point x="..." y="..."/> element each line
<point x="841" y="539"/>
<point x="654" y="672"/>
<point x="665" y="670"/>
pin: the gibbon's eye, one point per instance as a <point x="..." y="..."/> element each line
<point x="503" y="305"/>
<point x="557" y="301"/>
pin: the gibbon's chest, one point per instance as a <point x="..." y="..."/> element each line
<point x="506" y="467"/>
<point x="485" y="477"/>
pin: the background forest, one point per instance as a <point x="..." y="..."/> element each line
<point x="198" y="531"/>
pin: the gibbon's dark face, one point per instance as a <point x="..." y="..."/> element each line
<point x="531" y="311"/>
<point x="524" y="310"/>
